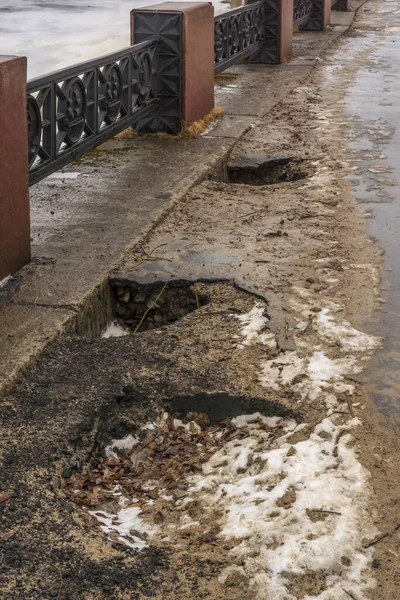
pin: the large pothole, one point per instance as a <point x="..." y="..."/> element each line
<point x="220" y="406"/>
<point x="143" y="307"/>
<point x="264" y="171"/>
<point x="140" y="487"/>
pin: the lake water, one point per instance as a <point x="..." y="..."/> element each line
<point x="58" y="33"/>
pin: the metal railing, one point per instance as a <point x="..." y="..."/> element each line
<point x="72" y="111"/>
<point x="238" y="34"/>
<point x="302" y="11"/>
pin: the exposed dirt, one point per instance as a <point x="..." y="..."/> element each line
<point x="299" y="246"/>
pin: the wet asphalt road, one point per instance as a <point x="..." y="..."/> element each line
<point x="372" y="108"/>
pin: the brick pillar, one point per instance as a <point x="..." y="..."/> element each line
<point x="184" y="82"/>
<point x="278" y="32"/>
<point x="320" y="16"/>
<point x="14" y="194"/>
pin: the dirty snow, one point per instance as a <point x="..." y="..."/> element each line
<point x="114" y="330"/>
<point x="303" y="507"/>
<point x="289" y="508"/>
<point x="311" y="370"/>
<point x="343" y="333"/>
<point x="126" y="525"/>
<point x="255" y="324"/>
<point x="4" y="281"/>
<point x="126" y="443"/>
<point x="272" y="496"/>
<point x="62" y="175"/>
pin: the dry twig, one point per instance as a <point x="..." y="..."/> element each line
<point x="61" y="584"/>
<point x="349" y="594"/>
<point x="351" y="411"/>
<point x="307" y="327"/>
<point x="149" y="309"/>
<point x="382" y="537"/>
<point x="339" y="435"/>
<point x="328" y="512"/>
<point x="197" y="297"/>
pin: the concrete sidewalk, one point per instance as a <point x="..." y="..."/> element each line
<point x="85" y="219"/>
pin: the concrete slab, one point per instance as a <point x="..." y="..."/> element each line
<point x="231" y="126"/>
<point x="116" y="199"/>
<point x="255" y="89"/>
<point x="342" y="18"/>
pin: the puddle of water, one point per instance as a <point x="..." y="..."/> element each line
<point x="371" y="104"/>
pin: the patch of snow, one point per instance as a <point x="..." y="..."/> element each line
<point x="4" y="281"/>
<point x="317" y="372"/>
<point x="190" y="427"/>
<point x="324" y="371"/>
<point x="114" y="330"/>
<point x="244" y="420"/>
<point x="281" y="370"/>
<point x="126" y="523"/>
<point x="126" y="443"/>
<point x="349" y="338"/>
<point x="60" y="175"/>
<point x="272" y="502"/>
<point x="255" y="323"/>
<point x="149" y="426"/>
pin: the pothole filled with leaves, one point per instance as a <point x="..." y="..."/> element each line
<point x="142" y="487"/>
<point x="259" y="171"/>
<point x="143" y="307"/>
<point x="263" y="494"/>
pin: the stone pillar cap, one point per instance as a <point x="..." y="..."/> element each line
<point x="171" y="7"/>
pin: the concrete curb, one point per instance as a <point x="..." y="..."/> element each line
<point x="87" y="218"/>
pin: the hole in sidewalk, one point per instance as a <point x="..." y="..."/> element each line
<point x="220" y="405"/>
<point x="139" y="308"/>
<point x="134" y="483"/>
<point x="266" y="172"/>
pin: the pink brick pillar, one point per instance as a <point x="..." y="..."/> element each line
<point x="185" y="69"/>
<point x="285" y="39"/>
<point x="14" y="194"/>
<point x="326" y="13"/>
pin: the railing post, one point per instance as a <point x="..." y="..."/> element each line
<point x="184" y="72"/>
<point x="14" y="190"/>
<point x="278" y="32"/>
<point x="320" y="15"/>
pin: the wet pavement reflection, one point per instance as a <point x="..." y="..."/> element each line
<point x="372" y="108"/>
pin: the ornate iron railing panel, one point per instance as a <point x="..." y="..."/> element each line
<point x="302" y="11"/>
<point x="72" y="111"/>
<point x="238" y="33"/>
